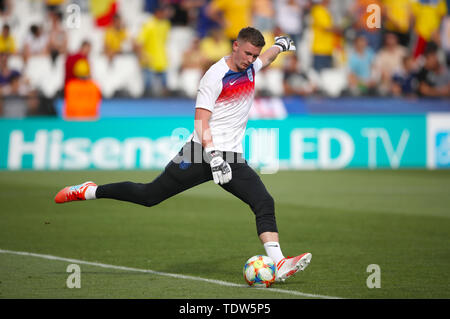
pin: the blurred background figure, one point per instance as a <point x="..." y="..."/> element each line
<point x="231" y="15"/>
<point x="398" y="19"/>
<point x="6" y="8"/>
<point x="263" y="15"/>
<point x="205" y="23"/>
<point x="404" y="81"/>
<point x="17" y="98"/>
<point x="296" y="81"/>
<point x="360" y="64"/>
<point x="36" y="43"/>
<point x="289" y="16"/>
<point x="388" y="61"/>
<point x="57" y="35"/>
<point x="6" y="73"/>
<point x="7" y="42"/>
<point x="82" y="96"/>
<point x="434" y="78"/>
<point x="72" y="59"/>
<point x="359" y="16"/>
<point x="151" y="44"/>
<point x="115" y="36"/>
<point x="192" y="69"/>
<point x="324" y="33"/>
<point x="182" y="15"/>
<point x="214" y="47"/>
<point x="445" y="37"/>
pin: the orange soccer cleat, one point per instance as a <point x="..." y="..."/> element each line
<point x="72" y="193"/>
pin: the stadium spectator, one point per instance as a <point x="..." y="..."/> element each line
<point x="182" y="12"/>
<point x="7" y="42"/>
<point x="151" y="45"/>
<point x="428" y="15"/>
<point x="72" y="59"/>
<point x="192" y="69"/>
<point x="444" y="39"/>
<point x="295" y="81"/>
<point x="434" y="78"/>
<point x="289" y="15"/>
<point x="5" y="8"/>
<point x="36" y="43"/>
<point x="388" y="61"/>
<point x="215" y="46"/>
<point x="419" y="23"/>
<point x="232" y="15"/>
<point x="404" y="81"/>
<point x="397" y="19"/>
<point x="114" y="37"/>
<point x="360" y="17"/>
<point x="6" y="74"/>
<point x="360" y="63"/>
<point x="17" y="98"/>
<point x="323" y="35"/>
<point x="339" y="11"/>
<point x="263" y="15"/>
<point x="82" y="96"/>
<point x="57" y="36"/>
<point x="204" y="23"/>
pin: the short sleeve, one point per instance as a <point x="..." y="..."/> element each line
<point x="208" y="91"/>
<point x="257" y="65"/>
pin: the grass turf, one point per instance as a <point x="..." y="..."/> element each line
<point x="399" y="220"/>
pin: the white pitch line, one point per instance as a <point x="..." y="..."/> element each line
<point x="149" y="271"/>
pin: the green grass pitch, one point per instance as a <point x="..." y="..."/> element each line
<point x="399" y="220"/>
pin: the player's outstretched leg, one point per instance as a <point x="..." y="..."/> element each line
<point x="289" y="266"/>
<point x="180" y="174"/>
<point x="77" y="192"/>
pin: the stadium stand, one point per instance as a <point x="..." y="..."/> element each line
<point x="122" y="76"/>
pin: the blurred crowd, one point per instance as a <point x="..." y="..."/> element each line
<point x="394" y="48"/>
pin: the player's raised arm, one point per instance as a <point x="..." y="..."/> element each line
<point x="282" y="44"/>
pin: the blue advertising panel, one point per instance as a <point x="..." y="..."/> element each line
<point x="438" y="140"/>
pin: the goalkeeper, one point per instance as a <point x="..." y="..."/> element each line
<point x="214" y="150"/>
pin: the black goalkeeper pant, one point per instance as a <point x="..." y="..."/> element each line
<point x="188" y="169"/>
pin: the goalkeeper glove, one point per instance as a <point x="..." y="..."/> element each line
<point x="285" y="44"/>
<point x="221" y="170"/>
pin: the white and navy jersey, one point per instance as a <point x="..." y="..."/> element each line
<point x="229" y="96"/>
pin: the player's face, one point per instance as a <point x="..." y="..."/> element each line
<point x="244" y="54"/>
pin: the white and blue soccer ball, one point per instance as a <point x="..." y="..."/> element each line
<point x="260" y="271"/>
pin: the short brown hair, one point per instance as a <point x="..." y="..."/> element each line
<point x="251" y="35"/>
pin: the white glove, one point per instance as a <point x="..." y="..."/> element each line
<point x="285" y="44"/>
<point x="221" y="170"/>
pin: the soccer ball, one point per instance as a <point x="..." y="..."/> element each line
<point x="260" y="271"/>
